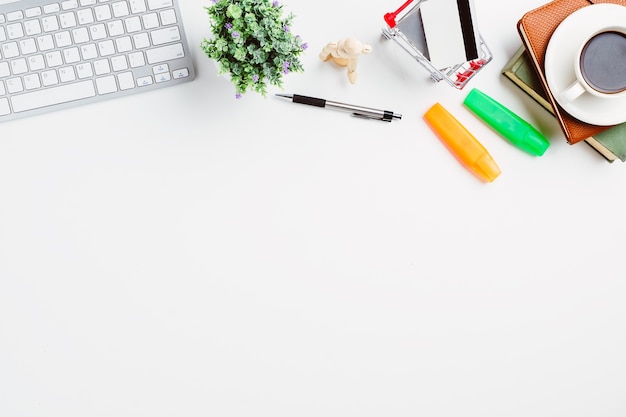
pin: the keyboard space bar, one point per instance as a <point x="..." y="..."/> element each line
<point x="52" y="96"/>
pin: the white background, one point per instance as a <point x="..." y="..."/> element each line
<point x="183" y="253"/>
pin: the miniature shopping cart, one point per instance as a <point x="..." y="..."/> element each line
<point x="404" y="26"/>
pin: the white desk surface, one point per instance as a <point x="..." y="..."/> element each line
<point x="183" y="253"/>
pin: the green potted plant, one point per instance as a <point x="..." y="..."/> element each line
<point x="252" y="43"/>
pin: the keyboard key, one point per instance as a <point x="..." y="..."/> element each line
<point x="81" y="35"/>
<point x="133" y="24"/>
<point x="103" y="12"/>
<point x="116" y="28"/>
<point x="67" y="74"/>
<point x="69" y="4"/>
<point x="36" y="62"/>
<point x="51" y="8"/>
<point x="31" y="81"/>
<point x="159" y="4"/>
<point x="180" y="73"/>
<point x="141" y="40"/>
<point x="106" y="85"/>
<point x="54" y="95"/>
<point x="106" y="47"/>
<point x="85" y="16"/>
<point x="160" y="69"/>
<point x="168" y="17"/>
<point x="45" y="43"/>
<point x="50" y="23"/>
<point x="71" y="55"/>
<point x="14" y="85"/>
<point x="18" y="66"/>
<point x="13" y="16"/>
<point x="119" y="63"/>
<point x="4" y="107"/>
<point x="89" y="51"/>
<point x="137" y="6"/>
<point x="101" y="67"/>
<point x="63" y="39"/>
<point x="84" y="70"/>
<point x="120" y="9"/>
<point x="28" y="46"/>
<point x="32" y="27"/>
<point x="4" y="69"/>
<point x="33" y="12"/>
<point x="150" y="21"/>
<point x="97" y="32"/>
<point x="124" y="44"/>
<point x="49" y="78"/>
<point x="165" y="53"/>
<point x="126" y="80"/>
<point x="67" y="20"/>
<point x="15" y="31"/>
<point x="161" y="78"/>
<point x="10" y="50"/>
<point x="54" y="59"/>
<point x="136" y="59"/>
<point x="144" y="81"/>
<point x="167" y="35"/>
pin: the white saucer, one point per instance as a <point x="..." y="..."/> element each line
<point x="561" y="57"/>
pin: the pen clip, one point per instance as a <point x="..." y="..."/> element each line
<point x="372" y="117"/>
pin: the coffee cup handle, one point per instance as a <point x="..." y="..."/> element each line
<point x="572" y="92"/>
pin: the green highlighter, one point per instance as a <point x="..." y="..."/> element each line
<point x="508" y="124"/>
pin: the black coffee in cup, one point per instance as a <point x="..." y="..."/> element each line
<point x="603" y="62"/>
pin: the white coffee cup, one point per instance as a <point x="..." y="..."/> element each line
<point x="600" y="66"/>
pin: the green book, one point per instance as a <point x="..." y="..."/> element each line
<point x="611" y="143"/>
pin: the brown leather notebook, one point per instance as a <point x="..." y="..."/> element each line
<point x="535" y="28"/>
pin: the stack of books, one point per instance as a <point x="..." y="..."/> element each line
<point x="610" y="143"/>
<point x="525" y="70"/>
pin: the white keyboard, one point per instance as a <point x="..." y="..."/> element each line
<point x="56" y="54"/>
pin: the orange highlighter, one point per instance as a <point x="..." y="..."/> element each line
<point x="469" y="151"/>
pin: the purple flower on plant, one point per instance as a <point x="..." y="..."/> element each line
<point x="275" y="3"/>
<point x="238" y="96"/>
<point x="286" y="28"/>
<point x="228" y="25"/>
<point x="255" y="78"/>
<point x="235" y="34"/>
<point x="286" y="67"/>
<point x="305" y="46"/>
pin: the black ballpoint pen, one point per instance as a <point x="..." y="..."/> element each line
<point x="359" y="111"/>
